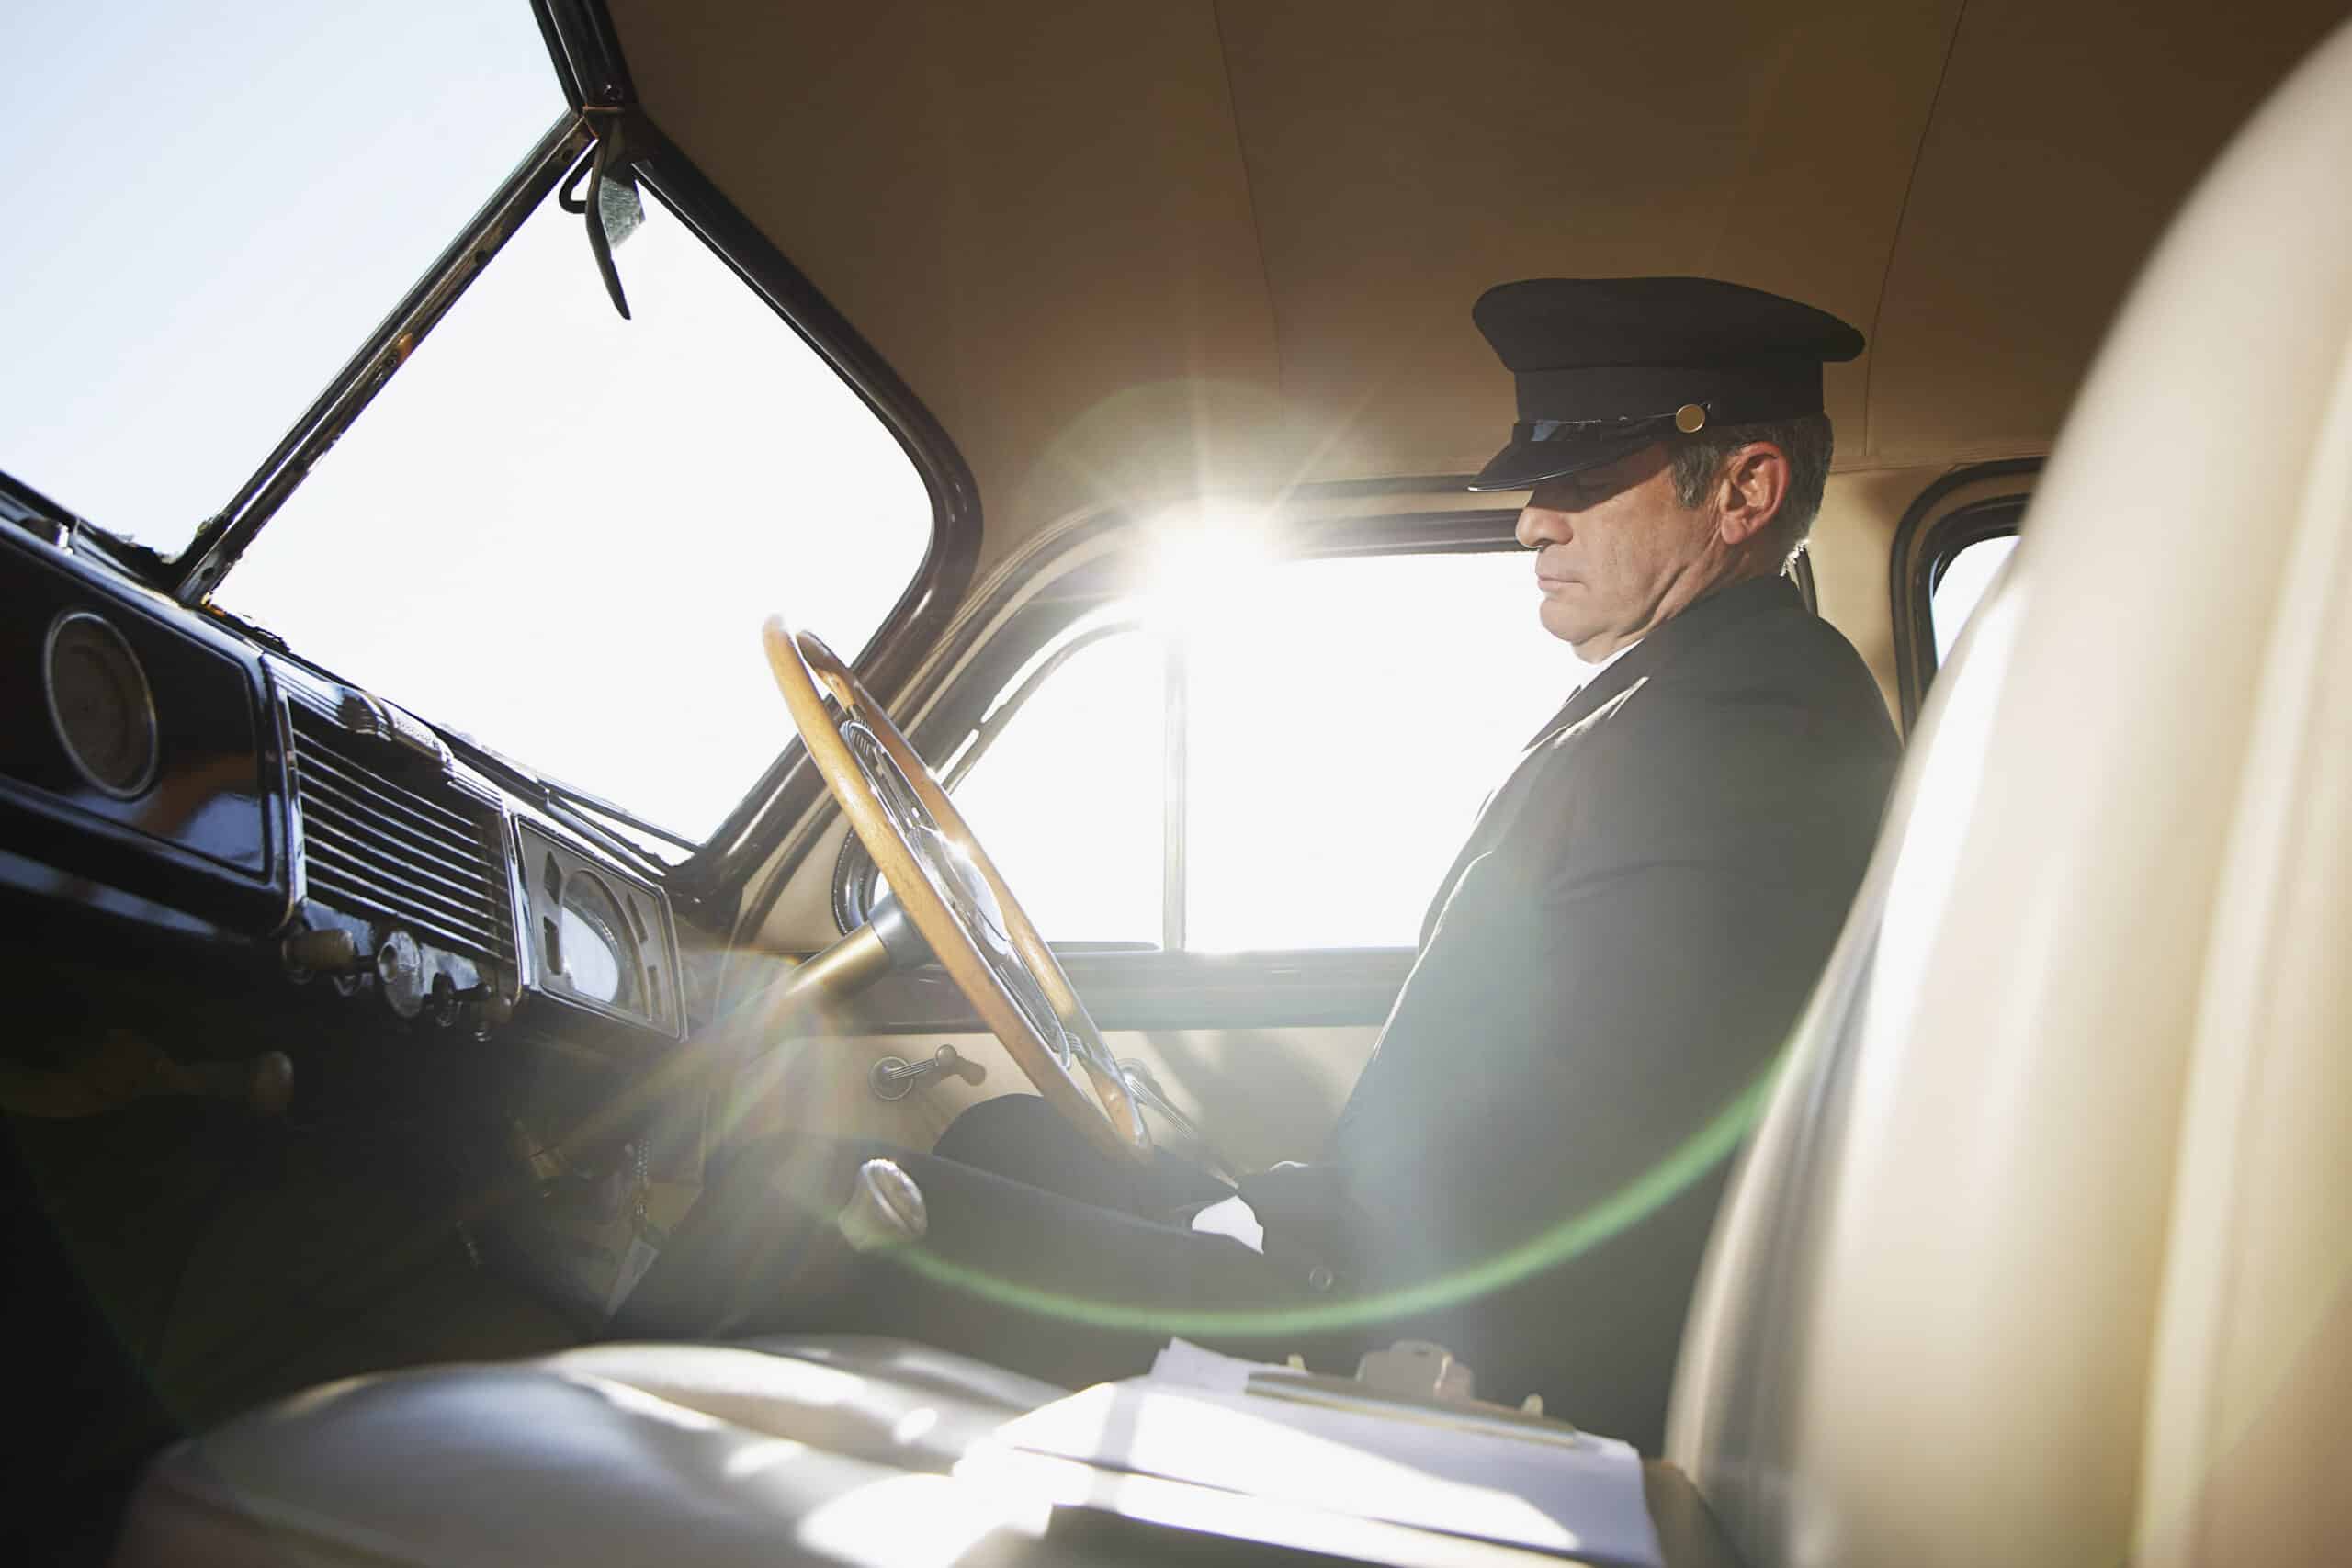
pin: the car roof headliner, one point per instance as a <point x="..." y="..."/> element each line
<point x="1131" y="253"/>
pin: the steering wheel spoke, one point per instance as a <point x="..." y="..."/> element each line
<point x="953" y="893"/>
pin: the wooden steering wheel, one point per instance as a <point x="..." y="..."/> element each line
<point x="951" y="891"/>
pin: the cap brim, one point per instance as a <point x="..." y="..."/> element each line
<point x="1525" y="464"/>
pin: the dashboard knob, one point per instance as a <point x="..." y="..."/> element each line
<point x="400" y="970"/>
<point x="269" y="1083"/>
<point x="326" y="951"/>
<point x="885" y="1207"/>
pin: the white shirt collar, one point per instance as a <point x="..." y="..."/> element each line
<point x="1593" y="671"/>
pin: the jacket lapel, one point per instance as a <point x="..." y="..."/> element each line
<point x="1720" y="609"/>
<point x="1587" y="699"/>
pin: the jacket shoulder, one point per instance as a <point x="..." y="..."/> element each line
<point x="1769" y="733"/>
<point x="1783" y="658"/>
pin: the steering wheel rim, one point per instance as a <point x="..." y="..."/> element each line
<point x="953" y="892"/>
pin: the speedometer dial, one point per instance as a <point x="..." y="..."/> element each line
<point x="599" y="956"/>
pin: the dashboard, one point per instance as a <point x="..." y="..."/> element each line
<point x="164" y="774"/>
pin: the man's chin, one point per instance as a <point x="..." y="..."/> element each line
<point x="1571" y="628"/>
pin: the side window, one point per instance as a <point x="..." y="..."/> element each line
<point x="1070" y="799"/>
<point x="1290" y="766"/>
<point x="1947" y="550"/>
<point x="1953" y="593"/>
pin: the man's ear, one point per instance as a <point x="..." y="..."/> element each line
<point x="1754" y="483"/>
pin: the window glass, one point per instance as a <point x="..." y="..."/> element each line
<point x="560" y="531"/>
<point x="1343" y="720"/>
<point x="1068" y="801"/>
<point x="1961" y="587"/>
<point x="1348" y="718"/>
<point x="210" y="209"/>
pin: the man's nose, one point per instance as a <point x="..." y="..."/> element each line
<point x="1541" y="525"/>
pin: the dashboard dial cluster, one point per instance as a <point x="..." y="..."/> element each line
<point x="602" y="938"/>
<point x="100" y="703"/>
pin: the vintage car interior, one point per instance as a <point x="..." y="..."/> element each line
<point x="404" y="909"/>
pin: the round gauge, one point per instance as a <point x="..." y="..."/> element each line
<point x="99" y="703"/>
<point x="599" y="957"/>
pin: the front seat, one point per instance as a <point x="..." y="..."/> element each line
<point x="2041" y="1252"/>
<point x="2040" y="1255"/>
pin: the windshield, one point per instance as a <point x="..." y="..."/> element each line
<point x="555" y="530"/>
<point x="560" y="531"/>
<point x="209" y="210"/>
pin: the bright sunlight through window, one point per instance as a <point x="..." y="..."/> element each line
<point x="1962" y="588"/>
<point x="1336" y="725"/>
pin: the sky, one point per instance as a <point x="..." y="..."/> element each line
<point x="227" y="198"/>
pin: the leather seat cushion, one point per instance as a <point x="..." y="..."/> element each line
<point x="804" y="1450"/>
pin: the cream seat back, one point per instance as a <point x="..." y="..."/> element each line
<point x="2041" y="1254"/>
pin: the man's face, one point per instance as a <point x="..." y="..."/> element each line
<point x="1616" y="552"/>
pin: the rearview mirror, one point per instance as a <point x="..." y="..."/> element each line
<point x="613" y="210"/>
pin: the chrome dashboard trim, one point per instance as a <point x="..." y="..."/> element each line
<point x="670" y="1021"/>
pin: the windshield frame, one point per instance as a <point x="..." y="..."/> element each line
<point x="716" y="873"/>
<point x="225" y="536"/>
<point x="584" y="47"/>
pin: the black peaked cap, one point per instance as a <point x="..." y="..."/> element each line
<point x="1605" y="366"/>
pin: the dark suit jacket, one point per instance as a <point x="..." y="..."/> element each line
<point x="1614" y="961"/>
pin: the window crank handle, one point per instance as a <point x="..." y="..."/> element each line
<point x="894" y="1076"/>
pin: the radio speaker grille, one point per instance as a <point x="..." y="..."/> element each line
<point x="374" y="845"/>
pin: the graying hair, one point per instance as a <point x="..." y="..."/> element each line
<point x="1807" y="443"/>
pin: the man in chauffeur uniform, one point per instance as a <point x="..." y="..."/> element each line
<point x="1606" y="975"/>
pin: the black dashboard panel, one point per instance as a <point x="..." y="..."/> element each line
<point x="204" y="831"/>
<point x="159" y="771"/>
